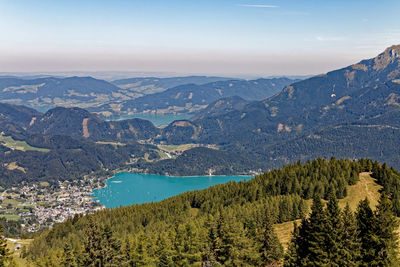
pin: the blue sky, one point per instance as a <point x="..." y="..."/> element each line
<point x="205" y="37"/>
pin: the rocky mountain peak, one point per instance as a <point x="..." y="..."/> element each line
<point x="389" y="56"/>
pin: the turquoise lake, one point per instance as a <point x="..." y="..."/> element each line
<point x="156" y="119"/>
<point x="134" y="188"/>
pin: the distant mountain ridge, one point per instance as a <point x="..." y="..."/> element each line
<point x="322" y="116"/>
<point x="44" y="93"/>
<point x="134" y="95"/>
<point x="191" y="97"/>
<point x="149" y="85"/>
<point x="352" y="112"/>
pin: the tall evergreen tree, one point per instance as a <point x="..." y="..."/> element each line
<point x="209" y="257"/>
<point x="164" y="258"/>
<point x="244" y="251"/>
<point x="111" y="248"/>
<point x="140" y="255"/>
<point x="69" y="259"/>
<point x="312" y="237"/>
<point x="223" y="241"/>
<point x="350" y="245"/>
<point x="365" y="225"/>
<point x="308" y="247"/>
<point x="292" y="258"/>
<point x="271" y="250"/>
<point x="100" y="247"/>
<point x="386" y="226"/>
<point x="333" y="230"/>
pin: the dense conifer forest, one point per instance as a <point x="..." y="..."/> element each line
<point x="231" y="224"/>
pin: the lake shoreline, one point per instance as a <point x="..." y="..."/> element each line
<point x="138" y="188"/>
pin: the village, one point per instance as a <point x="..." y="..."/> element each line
<point x="40" y="205"/>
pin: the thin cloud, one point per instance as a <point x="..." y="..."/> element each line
<point x="290" y="13"/>
<point x="329" y="38"/>
<point x="258" y="6"/>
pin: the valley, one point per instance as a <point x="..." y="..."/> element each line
<point x="199" y="133"/>
<point x="55" y="165"/>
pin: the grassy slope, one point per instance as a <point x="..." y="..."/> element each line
<point x="9" y="142"/>
<point x="21" y="262"/>
<point x="366" y="187"/>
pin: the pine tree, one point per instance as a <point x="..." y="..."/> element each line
<point x="312" y="237"/>
<point x="140" y="256"/>
<point x="127" y="252"/>
<point x="350" y="245"/>
<point x="69" y="259"/>
<point x="92" y="245"/>
<point x="365" y="225"/>
<point x="243" y="250"/>
<point x="209" y="257"/>
<point x="223" y="240"/>
<point x="271" y="250"/>
<point x="292" y="258"/>
<point x="111" y="248"/>
<point x="163" y="253"/>
<point x="386" y="241"/>
<point x="100" y="247"/>
<point x="308" y="246"/>
<point x="333" y="230"/>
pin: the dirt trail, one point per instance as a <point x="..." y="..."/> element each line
<point x="85" y="130"/>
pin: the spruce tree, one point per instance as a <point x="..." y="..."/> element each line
<point x="386" y="241"/>
<point x="365" y="225"/>
<point x="100" y="247"/>
<point x="92" y="255"/>
<point x="312" y="237"/>
<point x="140" y="256"/>
<point x="209" y="257"/>
<point x="308" y="245"/>
<point x="350" y="245"/>
<point x="243" y="250"/>
<point x="127" y="252"/>
<point x="271" y="250"/>
<point x="333" y="230"/>
<point x="163" y="252"/>
<point x="69" y="259"/>
<point x="292" y="258"/>
<point x="223" y="240"/>
<point x="111" y="248"/>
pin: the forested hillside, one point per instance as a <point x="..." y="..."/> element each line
<point x="351" y="112"/>
<point x="64" y="159"/>
<point x="56" y="146"/>
<point x="190" y="98"/>
<point x="150" y="85"/>
<point x="231" y="224"/>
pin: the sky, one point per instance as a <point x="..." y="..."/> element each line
<point x="213" y="37"/>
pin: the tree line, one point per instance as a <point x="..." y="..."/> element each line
<point x="231" y="224"/>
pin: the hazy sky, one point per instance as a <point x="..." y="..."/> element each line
<point x="194" y="36"/>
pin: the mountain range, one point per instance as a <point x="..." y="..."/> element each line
<point x="352" y="112"/>
<point x="135" y="95"/>
<point x="190" y="98"/>
<point x="150" y="85"/>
